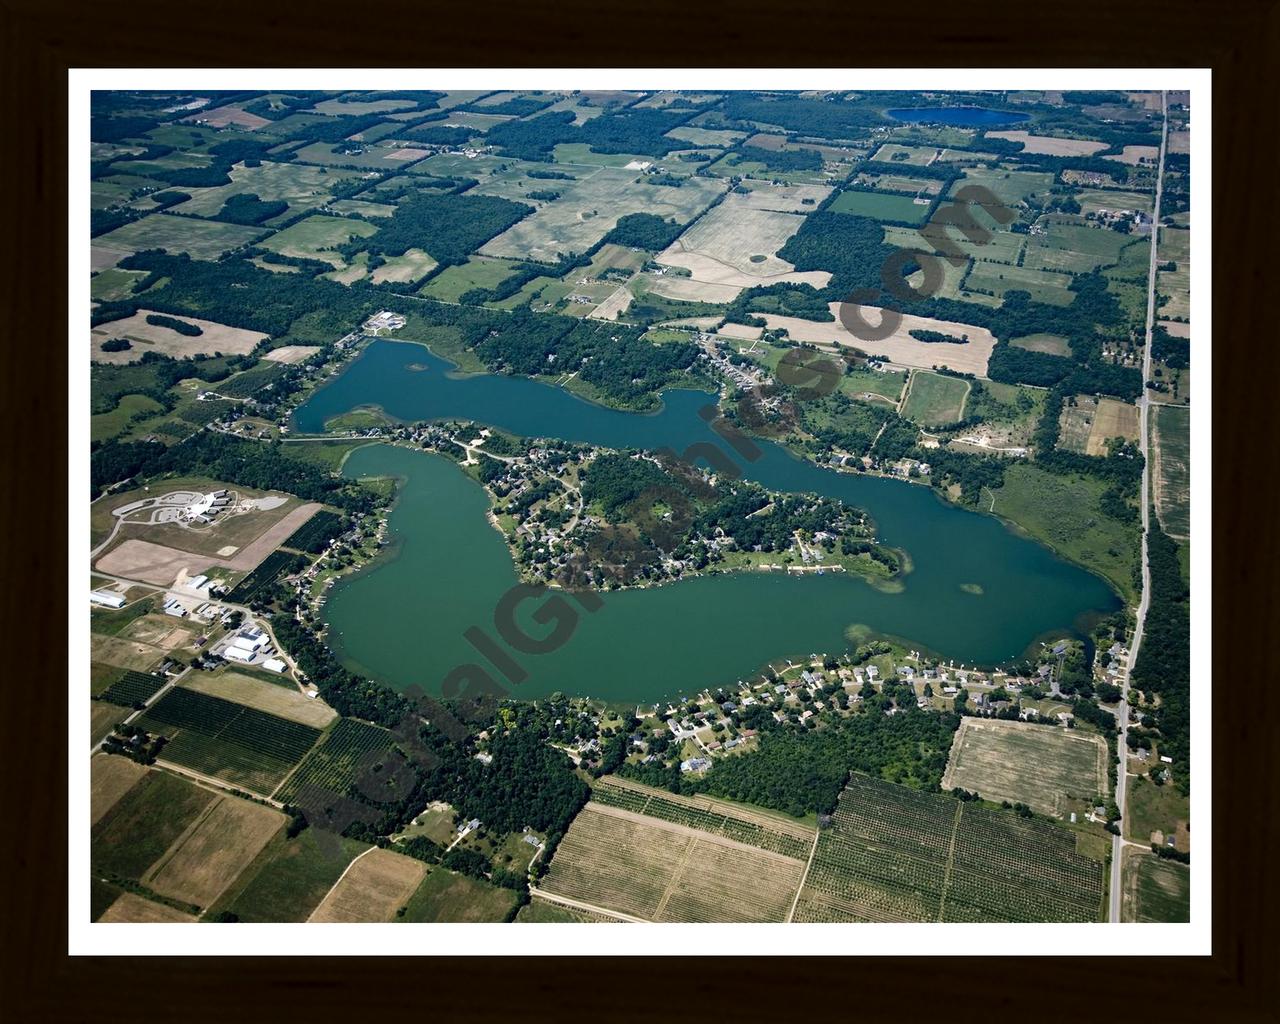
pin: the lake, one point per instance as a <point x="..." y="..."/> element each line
<point x="977" y="592"/>
<point x="959" y="117"/>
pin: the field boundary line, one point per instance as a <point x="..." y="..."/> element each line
<point x="210" y="782"/>
<point x="339" y="881"/>
<point x="687" y="830"/>
<point x="951" y="860"/>
<point x="805" y="877"/>
<point x="675" y="879"/>
<point x="569" y="901"/>
<point x="162" y="861"/>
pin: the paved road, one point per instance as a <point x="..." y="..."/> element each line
<point x="1144" y="413"/>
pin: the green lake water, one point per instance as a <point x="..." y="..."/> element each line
<point x="977" y="592"/>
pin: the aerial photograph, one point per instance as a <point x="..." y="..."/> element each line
<point x="578" y="506"/>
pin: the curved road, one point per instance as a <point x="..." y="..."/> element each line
<point x="1144" y="412"/>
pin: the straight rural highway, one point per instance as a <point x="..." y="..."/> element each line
<point x="1144" y="414"/>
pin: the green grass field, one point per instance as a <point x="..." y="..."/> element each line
<point x="106" y="425"/>
<point x="1153" y="808"/>
<point x="478" y="272"/>
<point x="1063" y="512"/>
<point x="1172" y="430"/>
<point x="935" y="399"/>
<point x="290" y="877"/>
<point x="201" y="239"/>
<point x="1156" y="890"/>
<point x="1043" y="285"/>
<point x="1010" y="187"/>
<point x="888" y="384"/>
<point x="447" y="897"/>
<point x="1073" y="245"/>
<point x="1053" y="344"/>
<point x="113" y="285"/>
<point x="881" y="206"/>
<point x="310" y="238"/>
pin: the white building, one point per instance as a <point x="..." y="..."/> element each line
<point x="236" y="654"/>
<point x="274" y="664"/>
<point x="106" y="598"/>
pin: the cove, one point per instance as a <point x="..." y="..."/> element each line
<point x="401" y="620"/>
<point x="959" y="117"/>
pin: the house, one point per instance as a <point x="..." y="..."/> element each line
<point x="695" y="764"/>
<point x="1166" y="760"/>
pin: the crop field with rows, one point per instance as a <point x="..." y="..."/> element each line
<point x="663" y="870"/>
<point x="315" y="534"/>
<point x="269" y="570"/>
<point x="133" y="689"/>
<point x="226" y="740"/>
<point x="894" y="854"/>
<point x="332" y="765"/>
<point x="791" y="839"/>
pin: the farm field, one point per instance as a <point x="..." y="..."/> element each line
<point x="206" y="859"/>
<point x="105" y="425"/>
<point x="1011" y="187"/>
<point x="769" y="830"/>
<point x="453" y="282"/>
<point x="286" y="701"/>
<point x="110" y="778"/>
<point x="301" y="186"/>
<point x="1114" y="418"/>
<point x="133" y="688"/>
<point x="448" y="897"/>
<point x="375" y="886"/>
<point x="1069" y="244"/>
<point x="736" y="244"/>
<point x="226" y="740"/>
<point x="412" y="266"/>
<point x="589" y="208"/>
<point x="898" y="183"/>
<point x="113" y="285"/>
<point x="200" y="239"/>
<point x="1001" y="247"/>
<point x="1051" y="344"/>
<point x="374" y="158"/>
<point x="1094" y="200"/>
<point x="899" y="347"/>
<point x="129" y="908"/>
<point x="934" y="399"/>
<point x="1155" y="890"/>
<point x="290" y="877"/>
<point x="144" y="823"/>
<point x="649" y="869"/>
<point x="332" y="765"/>
<point x="893" y="153"/>
<point x="1051" y="145"/>
<point x="894" y="854"/>
<point x="881" y="206"/>
<point x="1171" y="428"/>
<point x="1175" y="246"/>
<point x="315" y="237"/>
<point x="997" y="279"/>
<point x="1041" y="766"/>
<point x="144" y="337"/>
<point x="1154" y="813"/>
<point x="262" y="577"/>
